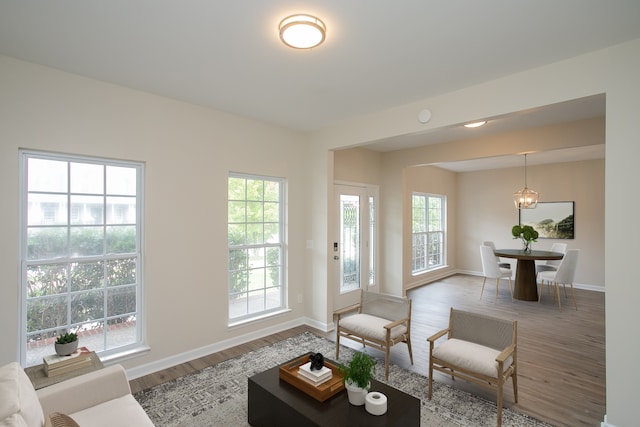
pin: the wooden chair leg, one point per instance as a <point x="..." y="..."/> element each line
<point x="499" y="403"/>
<point x="511" y="288"/>
<point x="483" y="282"/>
<point x="408" y="341"/>
<point x="337" y="342"/>
<point x="558" y="295"/>
<point x="497" y="283"/>
<point x="386" y="363"/>
<point x="430" y="379"/>
<point x="574" y="296"/>
<point x="541" y="289"/>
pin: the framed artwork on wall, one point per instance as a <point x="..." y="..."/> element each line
<point x="552" y="220"/>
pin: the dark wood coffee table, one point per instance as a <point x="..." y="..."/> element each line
<point x="276" y="403"/>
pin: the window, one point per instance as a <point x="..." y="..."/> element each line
<point x="256" y="246"/>
<point x="428" y="228"/>
<point x="80" y="253"/>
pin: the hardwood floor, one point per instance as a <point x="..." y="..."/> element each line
<point x="561" y="353"/>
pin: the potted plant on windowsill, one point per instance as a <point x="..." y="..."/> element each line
<point x="357" y="375"/>
<point x="66" y="343"/>
<point x="528" y="235"/>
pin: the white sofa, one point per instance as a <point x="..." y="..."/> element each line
<point x="100" y="398"/>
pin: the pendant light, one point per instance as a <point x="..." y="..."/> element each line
<point x="525" y="198"/>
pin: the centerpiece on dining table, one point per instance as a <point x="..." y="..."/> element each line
<point x="528" y="235"/>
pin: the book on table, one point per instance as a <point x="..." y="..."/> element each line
<point x="315" y="377"/>
<point x="55" y="363"/>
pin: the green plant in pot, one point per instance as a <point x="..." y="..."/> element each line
<point x="527" y="233"/>
<point x="66" y="343"/>
<point x="357" y="376"/>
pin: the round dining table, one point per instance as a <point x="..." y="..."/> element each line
<point x="526" y="287"/>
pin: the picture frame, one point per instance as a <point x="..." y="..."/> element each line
<point x="552" y="220"/>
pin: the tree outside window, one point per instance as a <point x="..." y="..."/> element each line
<point x="256" y="246"/>
<point x="428" y="230"/>
<point x="80" y="253"/>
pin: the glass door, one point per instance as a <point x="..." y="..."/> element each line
<point x="354" y="247"/>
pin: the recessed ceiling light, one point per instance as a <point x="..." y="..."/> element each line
<point x="475" y="124"/>
<point x="302" y="31"/>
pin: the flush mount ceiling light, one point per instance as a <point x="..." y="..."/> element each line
<point x="525" y="198"/>
<point x="302" y="31"/>
<point x="475" y="124"/>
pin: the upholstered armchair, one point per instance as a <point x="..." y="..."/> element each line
<point x="479" y="349"/>
<point x="379" y="321"/>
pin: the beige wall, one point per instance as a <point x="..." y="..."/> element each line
<point x="611" y="71"/>
<point x="486" y="212"/>
<point x="188" y="152"/>
<point x="479" y="203"/>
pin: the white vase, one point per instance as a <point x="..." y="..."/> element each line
<point x="66" y="349"/>
<point x="357" y="395"/>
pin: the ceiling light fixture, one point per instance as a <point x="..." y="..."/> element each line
<point x="525" y="198"/>
<point x="302" y="31"/>
<point x="475" y="124"/>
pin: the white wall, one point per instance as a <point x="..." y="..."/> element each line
<point x="612" y="71"/>
<point x="486" y="212"/>
<point x="188" y="152"/>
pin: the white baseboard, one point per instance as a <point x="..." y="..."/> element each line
<point x="585" y="286"/>
<point x="158" y="365"/>
<point x="605" y="423"/>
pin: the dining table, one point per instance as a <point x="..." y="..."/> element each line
<point x="525" y="287"/>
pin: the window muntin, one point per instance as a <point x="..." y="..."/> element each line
<point x="81" y="254"/>
<point x="256" y="246"/>
<point x="428" y="230"/>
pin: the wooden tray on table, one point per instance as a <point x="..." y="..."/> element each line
<point x="289" y="373"/>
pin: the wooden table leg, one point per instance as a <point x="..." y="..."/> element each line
<point x="525" y="287"/>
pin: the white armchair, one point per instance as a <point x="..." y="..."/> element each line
<point x="479" y="349"/>
<point x="381" y="321"/>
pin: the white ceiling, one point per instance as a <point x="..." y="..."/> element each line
<point x="378" y="54"/>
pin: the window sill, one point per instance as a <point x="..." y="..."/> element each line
<point x="110" y="359"/>
<point x="243" y="322"/>
<point x="431" y="270"/>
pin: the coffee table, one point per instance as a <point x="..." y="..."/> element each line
<point x="276" y="403"/>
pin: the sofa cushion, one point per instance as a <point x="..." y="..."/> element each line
<point x="122" y="411"/>
<point x="371" y="326"/>
<point x="19" y="403"/>
<point x="470" y="356"/>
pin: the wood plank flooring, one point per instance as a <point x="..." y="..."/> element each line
<point x="561" y="353"/>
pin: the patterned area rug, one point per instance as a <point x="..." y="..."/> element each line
<point x="217" y="395"/>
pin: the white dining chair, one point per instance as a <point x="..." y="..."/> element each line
<point x="491" y="269"/>
<point x="493" y="248"/>
<point x="552" y="264"/>
<point x="564" y="276"/>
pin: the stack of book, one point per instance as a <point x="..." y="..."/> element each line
<point x="315" y="377"/>
<point x="58" y="365"/>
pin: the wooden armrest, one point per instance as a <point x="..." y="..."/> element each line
<point x="437" y="335"/>
<point x="347" y="309"/>
<point x="506" y="353"/>
<point x="396" y="323"/>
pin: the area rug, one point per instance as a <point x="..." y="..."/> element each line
<point x="217" y="395"/>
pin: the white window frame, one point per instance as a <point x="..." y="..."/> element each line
<point x="280" y="244"/>
<point x="421" y="255"/>
<point x="110" y="350"/>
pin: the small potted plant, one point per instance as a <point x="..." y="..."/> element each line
<point x="357" y="375"/>
<point x="66" y="343"/>
<point x="527" y="233"/>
